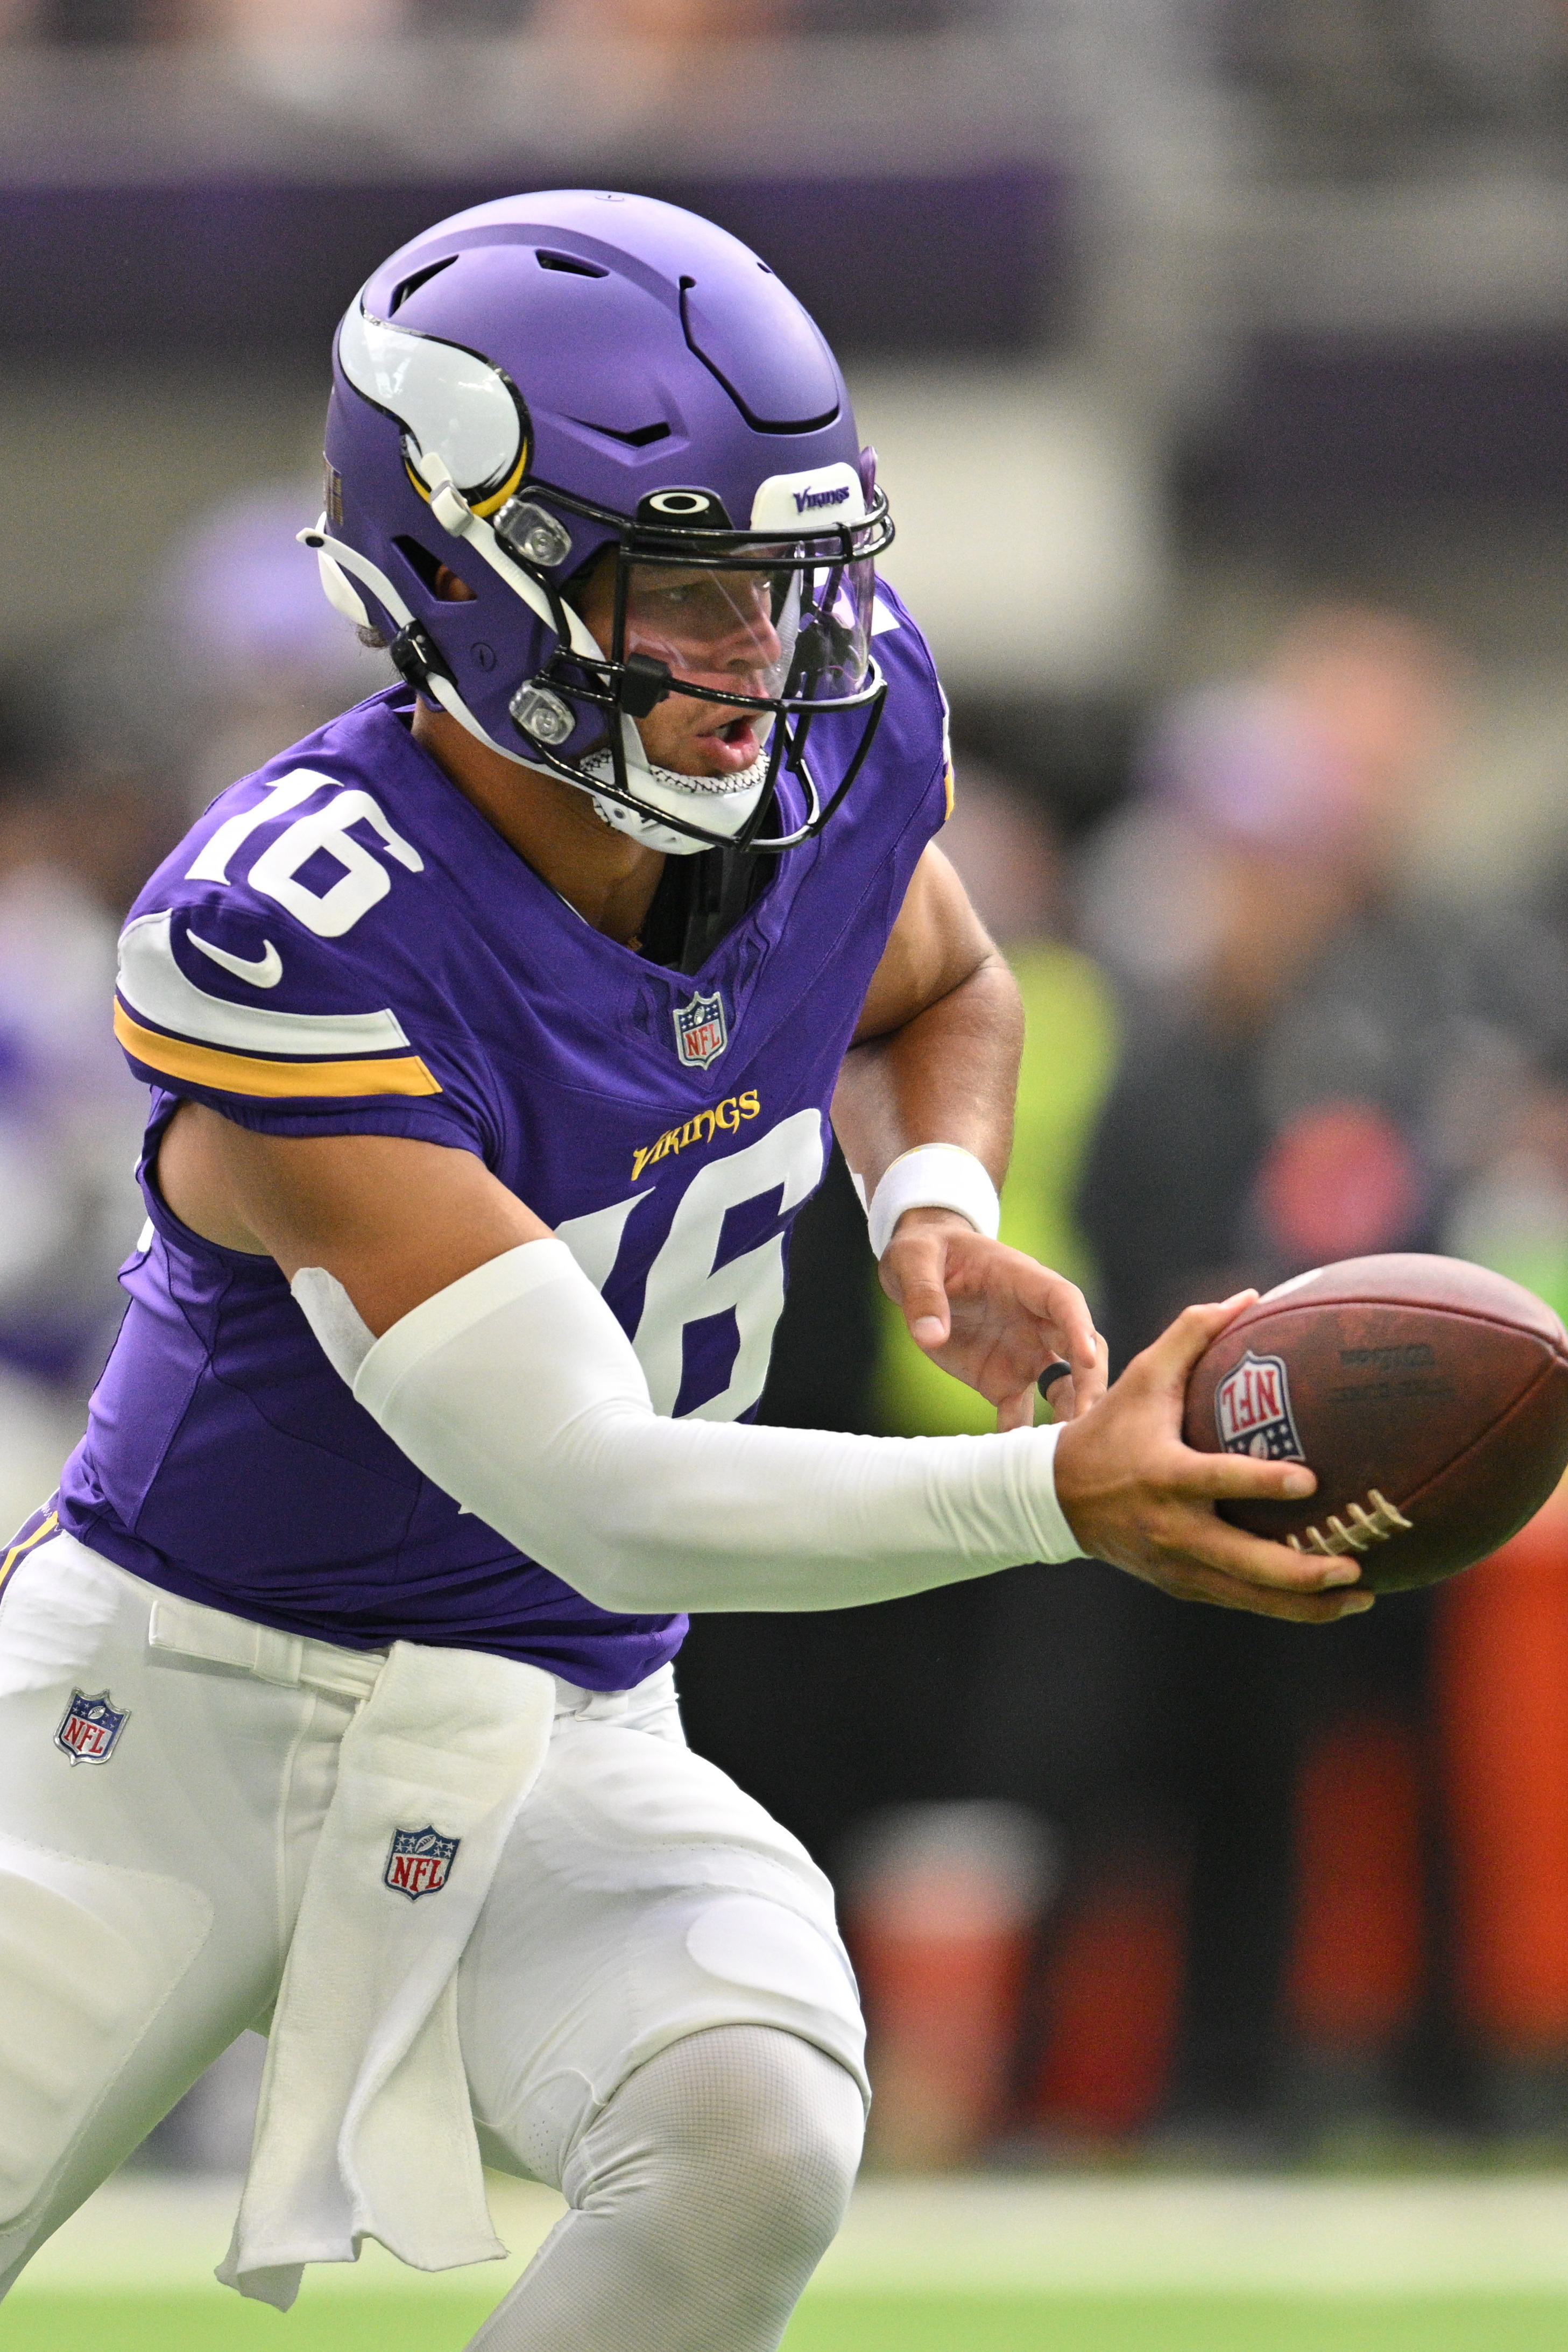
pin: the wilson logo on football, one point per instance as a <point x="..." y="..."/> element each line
<point x="90" y="1728"/>
<point x="419" y="1862"/>
<point x="1252" y="1410"/>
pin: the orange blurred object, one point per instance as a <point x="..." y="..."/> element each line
<point x="1112" y="1996"/>
<point x="1502" y="1683"/>
<point x="1355" y="1975"/>
<point x="941" y="1922"/>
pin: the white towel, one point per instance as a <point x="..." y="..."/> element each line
<point x="365" y="2128"/>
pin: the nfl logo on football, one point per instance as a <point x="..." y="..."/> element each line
<point x="90" y="1728"/>
<point x="1252" y="1409"/>
<point x="418" y="1861"/>
<point x="701" y="1031"/>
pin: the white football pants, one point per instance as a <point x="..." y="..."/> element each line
<point x="147" y="1900"/>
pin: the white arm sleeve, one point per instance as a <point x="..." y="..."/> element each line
<point x="518" y="1393"/>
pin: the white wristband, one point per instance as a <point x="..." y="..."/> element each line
<point x="934" y="1176"/>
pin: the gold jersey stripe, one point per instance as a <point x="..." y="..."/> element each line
<point x="246" y="1074"/>
<point x="19" y="1551"/>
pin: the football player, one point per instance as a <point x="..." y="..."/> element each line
<point x="493" y="1034"/>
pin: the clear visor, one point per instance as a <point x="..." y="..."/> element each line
<point x="778" y="625"/>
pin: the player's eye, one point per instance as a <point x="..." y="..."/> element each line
<point x="681" y="597"/>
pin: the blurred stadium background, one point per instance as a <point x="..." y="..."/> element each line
<point x="1216" y="352"/>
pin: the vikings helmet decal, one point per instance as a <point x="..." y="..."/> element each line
<point x="580" y="403"/>
<point x="445" y="399"/>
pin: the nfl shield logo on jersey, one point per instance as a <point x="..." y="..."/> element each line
<point x="90" y="1728"/>
<point x="701" y="1031"/>
<point x="418" y="1861"/>
<point x="1252" y="1408"/>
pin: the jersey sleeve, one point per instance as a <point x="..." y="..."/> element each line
<point x="924" y="718"/>
<point x="281" y="1023"/>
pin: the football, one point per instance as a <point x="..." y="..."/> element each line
<point x="1429" y="1395"/>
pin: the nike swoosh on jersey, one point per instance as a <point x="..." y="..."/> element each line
<point x="153" y="986"/>
<point x="261" y="971"/>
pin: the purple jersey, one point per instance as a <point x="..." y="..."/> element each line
<point x="344" y="943"/>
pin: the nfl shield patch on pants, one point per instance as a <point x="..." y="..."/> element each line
<point x="418" y="1861"/>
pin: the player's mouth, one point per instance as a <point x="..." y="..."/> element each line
<point x="731" y="744"/>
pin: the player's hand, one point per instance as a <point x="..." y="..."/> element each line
<point x="1135" y="1495"/>
<point x="992" y="1316"/>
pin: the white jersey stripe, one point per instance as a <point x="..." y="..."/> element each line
<point x="153" y="985"/>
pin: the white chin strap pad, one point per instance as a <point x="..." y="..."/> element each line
<point x="721" y="804"/>
<point x="517" y="1391"/>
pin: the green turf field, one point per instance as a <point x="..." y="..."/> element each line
<point x="860" y="2323"/>
<point x="987" y="2263"/>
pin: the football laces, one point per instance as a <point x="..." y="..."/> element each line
<point x="1366" y="1529"/>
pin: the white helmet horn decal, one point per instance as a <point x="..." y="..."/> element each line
<point x="448" y="401"/>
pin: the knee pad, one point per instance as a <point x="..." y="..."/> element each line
<point x="734" y="2132"/>
<point x="705" y="2193"/>
<point x="88" y="1955"/>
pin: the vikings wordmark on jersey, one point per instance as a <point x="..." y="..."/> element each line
<point x="344" y="944"/>
<point x="89" y="1728"/>
<point x="419" y="1862"/>
<point x="700" y="1127"/>
<point x="1252" y="1410"/>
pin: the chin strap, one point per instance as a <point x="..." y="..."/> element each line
<point x="742" y="790"/>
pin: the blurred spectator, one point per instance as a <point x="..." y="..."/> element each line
<point x="85" y="23"/>
<point x="258" y="657"/>
<point x="1298" y="1037"/>
<point x="294" y="20"/>
<point x="1365" y="66"/>
<point x="1305" y="1061"/>
<point x="101" y="754"/>
<point x="75" y="837"/>
<point x="661" y="20"/>
<point x="1272" y="1111"/>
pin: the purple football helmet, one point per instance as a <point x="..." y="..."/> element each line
<point x="575" y="400"/>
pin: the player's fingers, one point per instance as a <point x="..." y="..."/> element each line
<point x="1213" y="1543"/>
<point x="1089" y="1384"/>
<point x="1071" y="1393"/>
<point x="1237" y="1478"/>
<point x="1017" y="1411"/>
<point x="922" y="1292"/>
<point x="1260" y="1601"/>
<point x="1066" y="1310"/>
<point x="1166" y="1362"/>
<point x="1060" y="1308"/>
